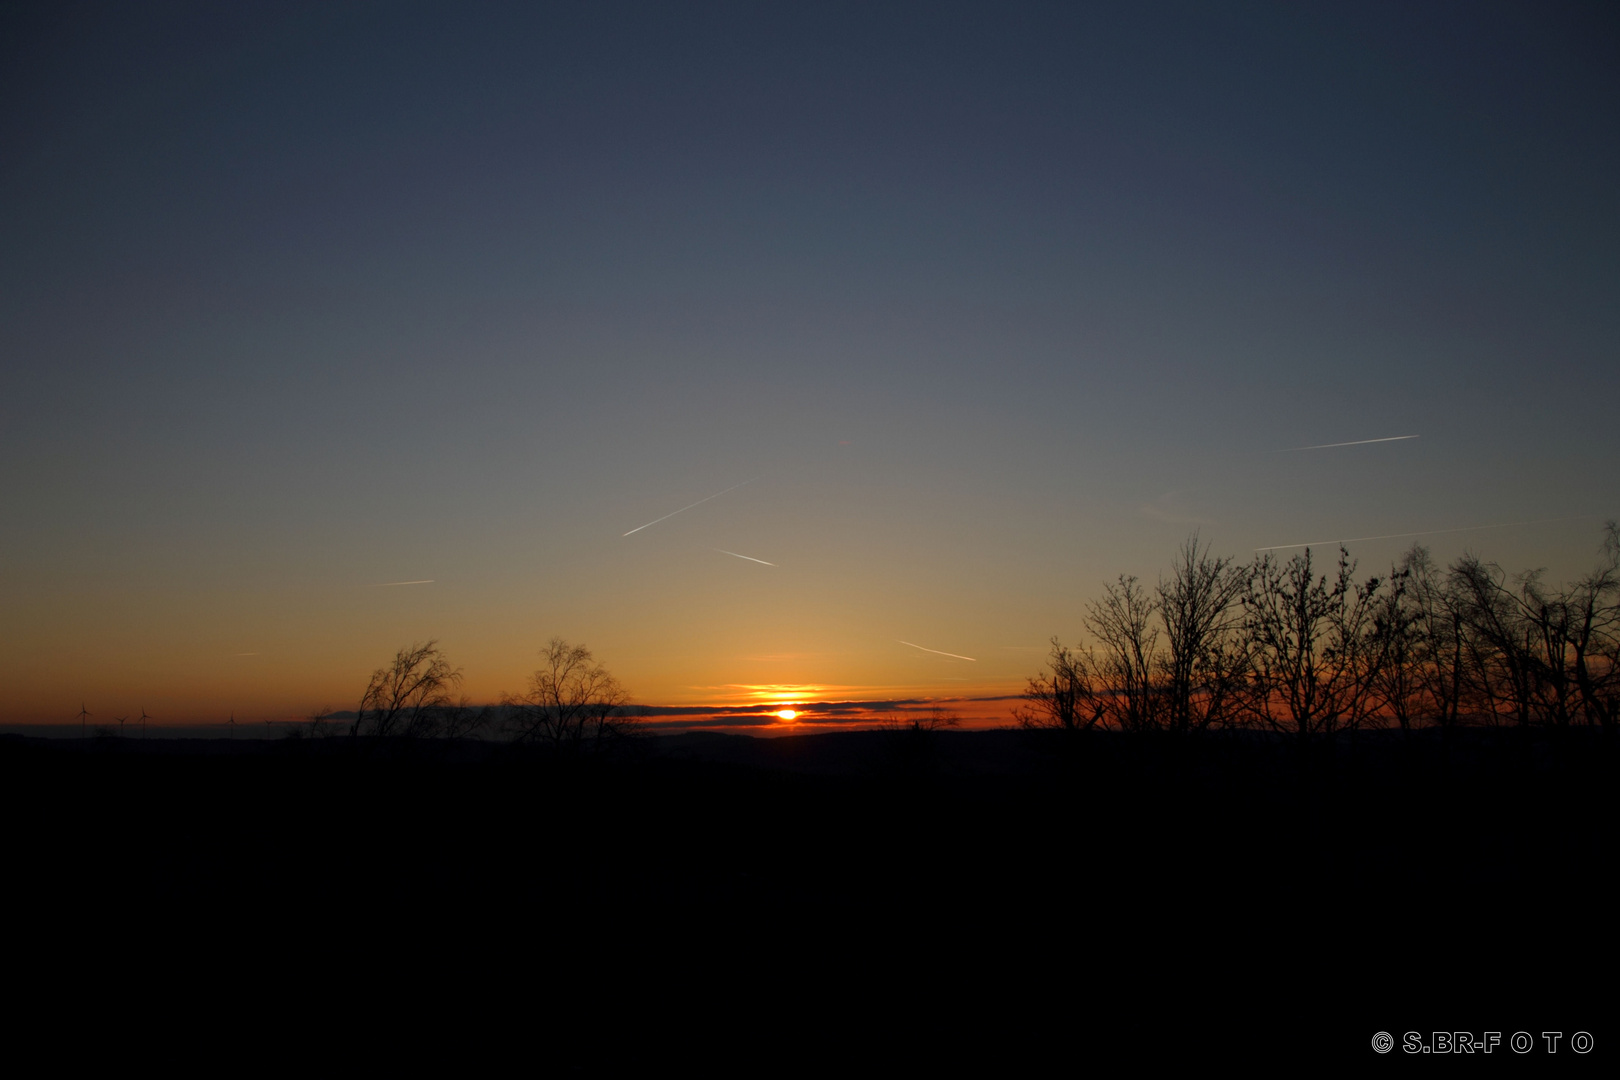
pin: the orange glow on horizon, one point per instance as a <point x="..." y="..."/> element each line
<point x="786" y="694"/>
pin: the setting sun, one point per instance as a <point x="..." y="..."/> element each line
<point x="787" y="714"/>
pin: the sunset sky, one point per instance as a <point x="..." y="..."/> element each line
<point x="956" y="310"/>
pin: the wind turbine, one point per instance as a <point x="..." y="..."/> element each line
<point x="120" y="720"/>
<point x="144" y="719"/>
<point x="232" y="723"/>
<point x="84" y="714"/>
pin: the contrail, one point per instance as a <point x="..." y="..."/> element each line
<point x="936" y="652"/>
<point x="1331" y="445"/>
<point x="684" y="509"/>
<point x="750" y="558"/>
<point x="386" y="584"/>
<point x="1427" y="532"/>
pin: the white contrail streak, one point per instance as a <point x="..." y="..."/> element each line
<point x="750" y="558"/>
<point x="386" y="584"/>
<point x="936" y="652"/>
<point x="1331" y="445"/>
<point x="684" y="509"/>
<point x="1427" y="532"/>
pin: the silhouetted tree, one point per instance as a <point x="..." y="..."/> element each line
<point x="1277" y="645"/>
<point x="572" y="702"/>
<point x="1544" y="655"/>
<point x="1500" y="665"/>
<point x="1312" y="641"/>
<point x="1204" y="664"/>
<point x="411" y="697"/>
<point x="1594" y="605"/>
<point x="1127" y="672"/>
<point x="1440" y="642"/>
<point x="1548" y="617"/>
<point x="1400" y="681"/>
<point x="1063" y="697"/>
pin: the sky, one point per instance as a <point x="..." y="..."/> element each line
<point x="950" y="312"/>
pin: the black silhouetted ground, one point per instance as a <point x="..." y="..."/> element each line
<point x="1210" y="900"/>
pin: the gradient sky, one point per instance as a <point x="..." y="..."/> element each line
<point x="981" y="304"/>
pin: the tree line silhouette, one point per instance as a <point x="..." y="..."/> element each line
<point x="1281" y="646"/>
<point x="1272" y="645"/>
<point x="572" y="702"/>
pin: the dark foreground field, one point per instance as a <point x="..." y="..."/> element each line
<point x="1005" y="890"/>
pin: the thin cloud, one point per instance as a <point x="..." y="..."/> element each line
<point x="1354" y="442"/>
<point x="684" y="509"/>
<point x="936" y="652"/>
